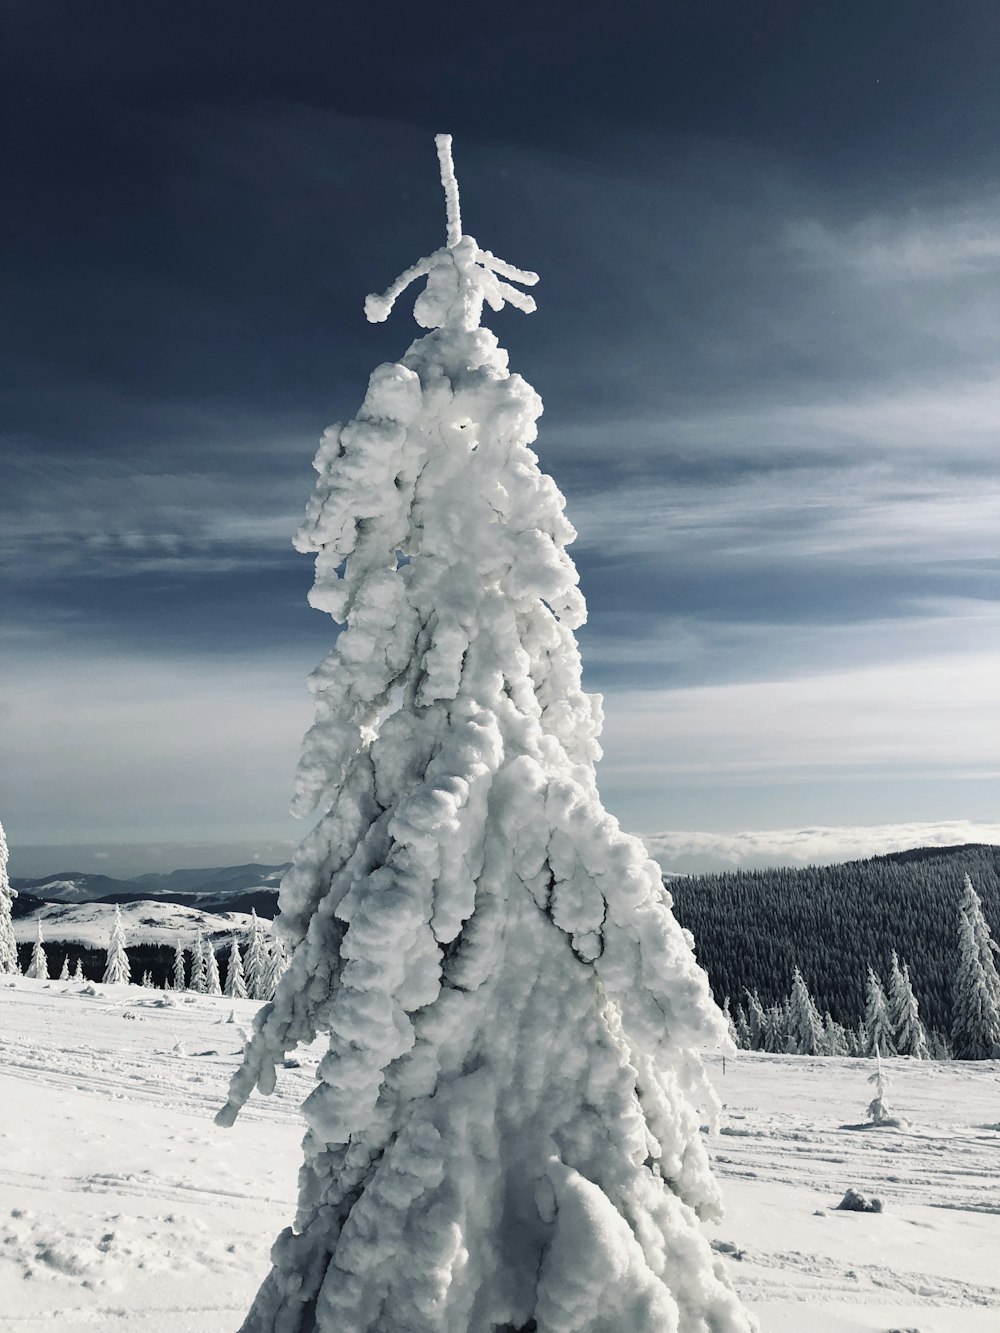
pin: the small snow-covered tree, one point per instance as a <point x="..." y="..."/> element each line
<point x="64" y="971"/>
<point x="147" y="979"/>
<point x="836" y="1040"/>
<point x="775" y="1030"/>
<point x="277" y="966"/>
<point x="199" y="965"/>
<point x="908" y="1035"/>
<point x="39" y="965"/>
<point x="805" y="1032"/>
<point x="180" y="977"/>
<point x="78" y="970"/>
<point x="256" y="962"/>
<point x="878" y="1108"/>
<point x="504" y="1130"/>
<point x="8" y="944"/>
<point x="213" y="986"/>
<point x="756" y="1021"/>
<point x="235" y="984"/>
<point x="975" y="1031"/>
<point x="742" y="1028"/>
<point x="117" y="968"/>
<point x="877" y="1023"/>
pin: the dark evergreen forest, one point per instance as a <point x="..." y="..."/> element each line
<point x="752" y="927"/>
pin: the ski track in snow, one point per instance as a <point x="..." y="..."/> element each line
<point x="122" y="1205"/>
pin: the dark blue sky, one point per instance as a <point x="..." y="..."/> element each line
<point x="766" y="340"/>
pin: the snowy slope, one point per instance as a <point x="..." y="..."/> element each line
<point x="146" y="922"/>
<point x="122" y="1206"/>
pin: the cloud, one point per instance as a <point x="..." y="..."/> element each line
<point x="111" y="749"/>
<point x="929" y="714"/>
<point x="918" y="246"/>
<point x="692" y="852"/>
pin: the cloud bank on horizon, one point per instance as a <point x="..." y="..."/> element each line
<point x="691" y="852"/>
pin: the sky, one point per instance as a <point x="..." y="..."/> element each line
<point x="766" y="339"/>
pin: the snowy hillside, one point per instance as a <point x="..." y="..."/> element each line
<point x="146" y="922"/>
<point x="122" y="1206"/>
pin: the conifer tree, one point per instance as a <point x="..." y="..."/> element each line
<point x="64" y="972"/>
<point x="117" y="968"/>
<point x="975" y="1032"/>
<point x="39" y="965"/>
<point x="147" y="979"/>
<point x="775" y="1030"/>
<point x="199" y="965"/>
<point x="8" y="944"/>
<point x="878" y="1024"/>
<point x="908" y="1035"/>
<point x="277" y="966"/>
<point x="213" y="986"/>
<point x="742" y="1028"/>
<point x="78" y="971"/>
<point x="878" y="1108"/>
<point x="836" y="1039"/>
<point x="235" y="983"/>
<point x="256" y="963"/>
<point x="756" y="1021"/>
<point x="180" y="979"/>
<point x="805" y="1032"/>
<point x="727" y="1014"/>
<point x="503" y="1134"/>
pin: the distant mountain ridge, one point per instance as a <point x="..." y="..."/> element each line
<point x="216" y="889"/>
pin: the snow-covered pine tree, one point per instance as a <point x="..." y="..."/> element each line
<point x="878" y="1108"/>
<point x="213" y="985"/>
<point x="987" y="946"/>
<point x="277" y="966"/>
<point x="39" y="965"/>
<point x="836" y="1040"/>
<point x="756" y="1021"/>
<point x="742" y="1028"/>
<point x="908" y="1035"/>
<point x="504" y="1133"/>
<point x="199" y="964"/>
<point x="117" y="968"/>
<point x="180" y="976"/>
<point x="805" y="1031"/>
<point x="235" y="983"/>
<point x="878" y="1024"/>
<point x="78" y="971"/>
<point x="727" y="1014"/>
<point x="147" y="979"/>
<point x="774" y="1034"/>
<point x="256" y="962"/>
<point x="975" y="1030"/>
<point x="64" y="971"/>
<point x="8" y="944"/>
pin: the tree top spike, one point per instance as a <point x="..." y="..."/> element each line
<point x="460" y="276"/>
<point x="450" y="183"/>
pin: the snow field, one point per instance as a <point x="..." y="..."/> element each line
<point x="793" y="1139"/>
<point x="123" y="1206"/>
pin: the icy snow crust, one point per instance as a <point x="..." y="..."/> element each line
<point x="506" y="1123"/>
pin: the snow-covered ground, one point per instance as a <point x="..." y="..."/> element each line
<point x="123" y="1206"/>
